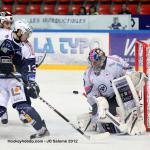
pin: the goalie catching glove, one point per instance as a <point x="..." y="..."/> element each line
<point x="33" y="90"/>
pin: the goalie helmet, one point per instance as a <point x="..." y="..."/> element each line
<point x="96" y="59"/>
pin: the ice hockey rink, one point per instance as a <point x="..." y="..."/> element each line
<point x="56" y="88"/>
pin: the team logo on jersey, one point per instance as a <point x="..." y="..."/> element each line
<point x="102" y="88"/>
<point x="16" y="90"/>
<point x="6" y="46"/>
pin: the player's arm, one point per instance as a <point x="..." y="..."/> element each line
<point x="6" y="62"/>
<point x="90" y="92"/>
<point x="138" y="78"/>
<point x="28" y="71"/>
<point x="122" y="63"/>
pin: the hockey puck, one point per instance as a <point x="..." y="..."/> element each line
<point x="75" y="92"/>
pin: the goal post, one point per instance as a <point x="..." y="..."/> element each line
<point x="142" y="63"/>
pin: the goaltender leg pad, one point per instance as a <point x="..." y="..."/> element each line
<point x="135" y="123"/>
<point x="138" y="79"/>
<point x="30" y="114"/>
<point x="112" y="105"/>
<point x="126" y="94"/>
<point x="109" y="127"/>
<point x="85" y="123"/>
<point x="128" y="101"/>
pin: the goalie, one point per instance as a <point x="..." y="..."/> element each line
<point x="112" y="95"/>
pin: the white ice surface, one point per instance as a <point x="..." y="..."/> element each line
<point x="56" y="88"/>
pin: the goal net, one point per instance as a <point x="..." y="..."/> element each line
<point x="142" y="63"/>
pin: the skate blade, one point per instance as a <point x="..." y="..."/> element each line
<point x="34" y="136"/>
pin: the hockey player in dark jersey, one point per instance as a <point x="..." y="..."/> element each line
<point x="11" y="61"/>
<point x="6" y="22"/>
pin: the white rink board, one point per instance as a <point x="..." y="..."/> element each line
<point x="66" y="22"/>
<point x="68" y="47"/>
<point x="56" y="88"/>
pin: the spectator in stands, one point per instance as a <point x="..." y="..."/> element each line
<point x="82" y="11"/>
<point x="93" y="10"/>
<point x="116" y="24"/>
<point x="124" y="9"/>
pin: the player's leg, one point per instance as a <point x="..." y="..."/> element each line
<point x="4" y="97"/>
<point x="102" y="122"/>
<point x="4" y="118"/>
<point x="112" y="105"/>
<point x="21" y="105"/>
<point x="107" y="105"/>
<point x="95" y="117"/>
<point x="32" y="117"/>
<point x="28" y="99"/>
<point x="112" y="109"/>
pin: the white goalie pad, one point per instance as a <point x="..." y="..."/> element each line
<point x="129" y="104"/>
<point x="85" y="124"/>
<point x="126" y="95"/>
<point x="138" y="79"/>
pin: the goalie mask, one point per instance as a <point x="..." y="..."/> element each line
<point x="96" y="59"/>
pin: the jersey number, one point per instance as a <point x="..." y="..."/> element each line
<point x="31" y="68"/>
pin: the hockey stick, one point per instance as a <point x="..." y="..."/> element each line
<point x="66" y="119"/>
<point x="42" y="60"/>
<point x="121" y="126"/>
<point x="89" y="137"/>
<point x="92" y="138"/>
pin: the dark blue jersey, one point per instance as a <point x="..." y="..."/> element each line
<point x="28" y="67"/>
<point x="23" y="59"/>
<point x="8" y="47"/>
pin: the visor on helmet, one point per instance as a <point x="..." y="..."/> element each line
<point x="96" y="59"/>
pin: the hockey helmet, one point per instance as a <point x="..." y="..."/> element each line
<point x="22" y="25"/>
<point x="96" y="59"/>
<point x="96" y="54"/>
<point x="6" y="16"/>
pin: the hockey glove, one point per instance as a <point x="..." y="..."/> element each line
<point x="6" y="65"/>
<point x="33" y="90"/>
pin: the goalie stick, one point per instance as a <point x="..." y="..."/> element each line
<point x="89" y="137"/>
<point x="121" y="126"/>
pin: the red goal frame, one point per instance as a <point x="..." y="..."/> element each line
<point x="143" y="53"/>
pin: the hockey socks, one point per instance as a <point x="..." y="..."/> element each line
<point x="31" y="115"/>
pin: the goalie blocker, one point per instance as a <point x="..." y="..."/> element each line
<point x="130" y="118"/>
